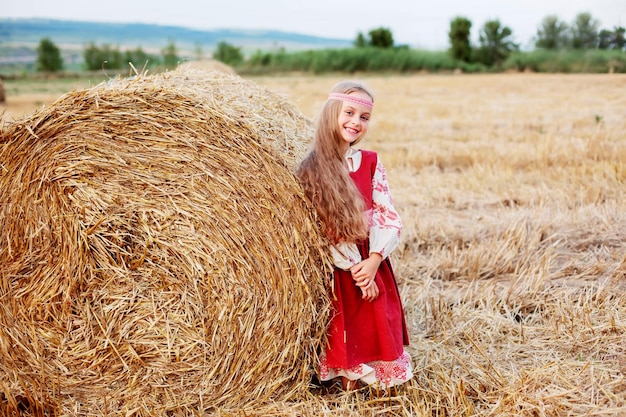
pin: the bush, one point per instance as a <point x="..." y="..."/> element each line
<point x="48" y="56"/>
<point x="170" y="55"/>
<point x="140" y="59"/>
<point x="568" y="61"/>
<point x="228" y="54"/>
<point x="352" y="60"/>
<point x="105" y="57"/>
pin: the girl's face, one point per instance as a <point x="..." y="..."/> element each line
<point x="354" y="120"/>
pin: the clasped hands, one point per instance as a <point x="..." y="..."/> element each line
<point x="364" y="274"/>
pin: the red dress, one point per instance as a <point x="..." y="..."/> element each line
<point x="363" y="332"/>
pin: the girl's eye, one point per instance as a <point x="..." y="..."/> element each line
<point x="365" y="118"/>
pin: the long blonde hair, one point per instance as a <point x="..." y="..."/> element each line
<point x="325" y="179"/>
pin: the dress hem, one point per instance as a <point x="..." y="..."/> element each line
<point x="384" y="373"/>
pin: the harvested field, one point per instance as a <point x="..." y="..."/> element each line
<point x="513" y="262"/>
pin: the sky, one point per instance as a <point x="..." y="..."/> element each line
<point x="417" y="23"/>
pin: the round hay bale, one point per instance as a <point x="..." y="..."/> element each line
<point x="274" y="119"/>
<point x="2" y="96"/>
<point x="157" y="254"/>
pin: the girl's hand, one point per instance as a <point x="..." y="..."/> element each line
<point x="370" y="292"/>
<point x="364" y="274"/>
<point x="365" y="271"/>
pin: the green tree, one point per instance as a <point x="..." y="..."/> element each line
<point x="618" y="38"/>
<point x="552" y="34"/>
<point x="604" y="39"/>
<point x="260" y="58"/>
<point x="92" y="56"/>
<point x="228" y="54"/>
<point x="170" y="55"/>
<point x="381" y="38"/>
<point x="459" y="35"/>
<point x="585" y="32"/>
<point x="360" y="41"/>
<point x="112" y="57"/>
<point x="48" y="56"/>
<point x="139" y="58"/>
<point x="104" y="57"/>
<point x="495" y="43"/>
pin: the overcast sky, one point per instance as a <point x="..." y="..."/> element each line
<point x="419" y="23"/>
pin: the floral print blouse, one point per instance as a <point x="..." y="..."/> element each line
<point x="383" y="219"/>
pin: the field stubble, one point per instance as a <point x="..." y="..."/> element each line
<point x="512" y="264"/>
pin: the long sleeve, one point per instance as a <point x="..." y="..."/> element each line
<point x="345" y="255"/>
<point x="386" y="224"/>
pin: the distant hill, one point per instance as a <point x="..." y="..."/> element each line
<point x="20" y="37"/>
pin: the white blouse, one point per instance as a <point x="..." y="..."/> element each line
<point x="383" y="219"/>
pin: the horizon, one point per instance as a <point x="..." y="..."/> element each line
<point x="420" y="25"/>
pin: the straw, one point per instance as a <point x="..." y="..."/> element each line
<point x="157" y="253"/>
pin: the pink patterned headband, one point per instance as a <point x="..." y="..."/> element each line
<point x="352" y="99"/>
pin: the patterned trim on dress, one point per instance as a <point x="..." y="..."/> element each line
<point x="385" y="373"/>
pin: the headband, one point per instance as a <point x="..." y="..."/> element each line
<point x="352" y="99"/>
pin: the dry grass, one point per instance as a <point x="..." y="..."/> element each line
<point x="512" y="191"/>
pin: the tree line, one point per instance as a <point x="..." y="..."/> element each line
<point x="553" y="34"/>
<point x="106" y="57"/>
<point x="376" y="51"/>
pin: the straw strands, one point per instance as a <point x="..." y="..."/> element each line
<point x="512" y="261"/>
<point x="158" y="256"/>
<point x="270" y="116"/>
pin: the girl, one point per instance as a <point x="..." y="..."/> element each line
<point x="367" y="331"/>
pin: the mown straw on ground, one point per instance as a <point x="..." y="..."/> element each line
<point x="512" y="263"/>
